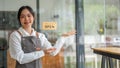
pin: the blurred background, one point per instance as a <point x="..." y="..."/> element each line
<point x="101" y="21"/>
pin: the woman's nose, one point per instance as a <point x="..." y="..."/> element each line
<point x="26" y="18"/>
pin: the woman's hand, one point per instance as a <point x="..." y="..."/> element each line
<point x="69" y="33"/>
<point x="38" y="49"/>
<point x="48" y="51"/>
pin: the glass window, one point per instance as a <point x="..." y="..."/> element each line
<point x="112" y="12"/>
<point x="94" y="20"/>
<point x="101" y="23"/>
<point x="62" y="12"/>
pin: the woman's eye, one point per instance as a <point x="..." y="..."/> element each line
<point x="29" y="15"/>
<point x="22" y="16"/>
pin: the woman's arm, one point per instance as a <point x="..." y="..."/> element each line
<point x="17" y="53"/>
<point x="54" y="50"/>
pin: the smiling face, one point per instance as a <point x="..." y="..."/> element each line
<point x="26" y="18"/>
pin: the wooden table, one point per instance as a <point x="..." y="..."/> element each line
<point x="113" y="52"/>
<point x="107" y="54"/>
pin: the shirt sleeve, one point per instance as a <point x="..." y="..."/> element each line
<point x="17" y="53"/>
<point x="58" y="45"/>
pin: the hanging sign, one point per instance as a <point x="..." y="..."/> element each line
<point x="49" y="25"/>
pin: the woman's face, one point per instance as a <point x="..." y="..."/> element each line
<point x="26" y="18"/>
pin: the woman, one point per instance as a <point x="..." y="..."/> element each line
<point x="27" y="46"/>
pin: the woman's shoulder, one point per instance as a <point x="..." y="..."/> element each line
<point x="14" y="34"/>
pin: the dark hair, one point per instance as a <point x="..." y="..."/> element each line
<point x="21" y="9"/>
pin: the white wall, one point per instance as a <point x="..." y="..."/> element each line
<point x="13" y="5"/>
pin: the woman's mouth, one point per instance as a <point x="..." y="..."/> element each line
<point x="26" y="23"/>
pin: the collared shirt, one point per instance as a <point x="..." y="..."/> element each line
<point x="17" y="53"/>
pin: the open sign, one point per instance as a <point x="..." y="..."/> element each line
<point x="49" y="25"/>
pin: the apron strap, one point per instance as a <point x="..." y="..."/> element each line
<point x="19" y="33"/>
<point x="37" y="35"/>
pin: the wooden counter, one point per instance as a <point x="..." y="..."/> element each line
<point x="53" y="61"/>
<point x="10" y="62"/>
<point x="47" y="61"/>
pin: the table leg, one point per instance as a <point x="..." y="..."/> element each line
<point x="106" y="62"/>
<point x="103" y="62"/>
<point x="110" y="62"/>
